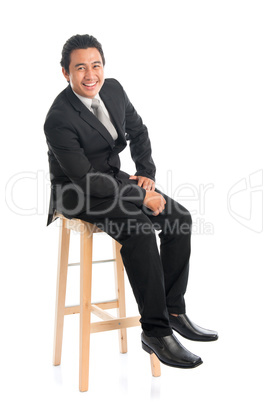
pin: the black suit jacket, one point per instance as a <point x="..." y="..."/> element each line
<point x="83" y="157"/>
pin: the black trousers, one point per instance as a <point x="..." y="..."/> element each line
<point x="158" y="279"/>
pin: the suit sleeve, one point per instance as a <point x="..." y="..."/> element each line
<point x="140" y="145"/>
<point x="63" y="142"/>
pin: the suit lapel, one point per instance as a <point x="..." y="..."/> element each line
<point x="110" y="105"/>
<point x="89" y="117"/>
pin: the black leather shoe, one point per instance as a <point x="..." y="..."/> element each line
<point x="191" y="331"/>
<point x="169" y="351"/>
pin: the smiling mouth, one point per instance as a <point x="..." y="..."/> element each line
<point x="90" y="85"/>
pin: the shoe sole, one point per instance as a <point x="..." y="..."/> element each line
<point x="147" y="349"/>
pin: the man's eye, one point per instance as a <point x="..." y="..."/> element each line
<point x="96" y="66"/>
<point x="81" y="68"/>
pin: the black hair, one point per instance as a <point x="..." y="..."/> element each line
<point x="79" y="42"/>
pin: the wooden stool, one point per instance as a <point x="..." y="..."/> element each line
<point x="121" y="322"/>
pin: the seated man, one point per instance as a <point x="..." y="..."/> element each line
<point x="86" y="128"/>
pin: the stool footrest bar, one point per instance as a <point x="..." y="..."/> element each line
<point x="74" y="264"/>
<point x="116" y="323"/>
<point x="101" y="313"/>
<point x="106" y="305"/>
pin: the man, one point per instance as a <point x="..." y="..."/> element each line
<point x="87" y="126"/>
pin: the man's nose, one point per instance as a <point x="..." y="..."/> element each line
<point x="89" y="74"/>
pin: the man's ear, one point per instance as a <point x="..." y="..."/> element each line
<point x="66" y="75"/>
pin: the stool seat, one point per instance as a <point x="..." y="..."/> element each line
<point x="86" y="306"/>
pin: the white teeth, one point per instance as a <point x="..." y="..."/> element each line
<point x="90" y="85"/>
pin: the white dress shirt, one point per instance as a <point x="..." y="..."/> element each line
<point x="88" y="102"/>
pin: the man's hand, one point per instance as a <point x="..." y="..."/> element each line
<point x="144" y="182"/>
<point x="154" y="201"/>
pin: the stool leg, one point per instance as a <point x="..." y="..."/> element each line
<point x="64" y="240"/>
<point x="85" y="305"/>
<point x="120" y="294"/>
<point x="155" y="366"/>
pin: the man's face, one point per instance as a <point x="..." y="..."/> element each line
<point x="86" y="75"/>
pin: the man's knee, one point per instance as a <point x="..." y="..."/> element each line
<point x="186" y="223"/>
<point x="181" y="213"/>
<point x="180" y="221"/>
<point x="187" y="217"/>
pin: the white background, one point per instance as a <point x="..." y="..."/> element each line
<point x="196" y="71"/>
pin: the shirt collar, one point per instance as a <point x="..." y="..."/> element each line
<point x="86" y="101"/>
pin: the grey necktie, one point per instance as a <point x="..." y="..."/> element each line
<point x="99" y="113"/>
